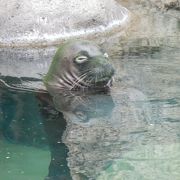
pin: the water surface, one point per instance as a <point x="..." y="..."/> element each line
<point x="131" y="133"/>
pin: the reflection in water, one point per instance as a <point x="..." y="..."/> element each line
<point x="107" y="128"/>
<point x="82" y="112"/>
<point x="106" y="133"/>
<point x="22" y="124"/>
<point x="83" y="107"/>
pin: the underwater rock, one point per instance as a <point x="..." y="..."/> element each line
<point x="131" y="165"/>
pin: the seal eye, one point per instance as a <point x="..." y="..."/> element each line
<point x="81" y="59"/>
<point x="106" y="55"/>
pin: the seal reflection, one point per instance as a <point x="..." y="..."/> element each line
<point x="73" y="107"/>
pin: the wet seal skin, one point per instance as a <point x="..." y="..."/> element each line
<point x="79" y="65"/>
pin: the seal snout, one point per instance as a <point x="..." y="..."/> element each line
<point x="102" y="72"/>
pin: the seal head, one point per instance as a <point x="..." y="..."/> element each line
<point x="79" y="65"/>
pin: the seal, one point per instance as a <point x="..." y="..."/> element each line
<point x="79" y="65"/>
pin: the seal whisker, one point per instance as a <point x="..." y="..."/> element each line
<point x="60" y="83"/>
<point x="83" y="76"/>
<point x="96" y="77"/>
<point x="80" y="79"/>
<point x="109" y="84"/>
<point x="69" y="78"/>
<point x="90" y="80"/>
<point x="75" y="76"/>
<point x="76" y="83"/>
<point x="66" y="80"/>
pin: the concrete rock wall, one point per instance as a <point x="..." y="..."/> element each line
<point x="51" y="21"/>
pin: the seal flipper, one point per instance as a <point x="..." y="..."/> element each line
<point x="4" y="85"/>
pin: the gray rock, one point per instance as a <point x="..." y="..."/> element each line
<point x="167" y="4"/>
<point x="51" y="21"/>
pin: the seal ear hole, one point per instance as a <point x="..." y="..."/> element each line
<point x="81" y="59"/>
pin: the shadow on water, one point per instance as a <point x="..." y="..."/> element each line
<point x="131" y="132"/>
<point x="25" y="122"/>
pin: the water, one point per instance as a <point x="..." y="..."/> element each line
<point x="131" y="133"/>
<point x="27" y="145"/>
<point x="139" y="138"/>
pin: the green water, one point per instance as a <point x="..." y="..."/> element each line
<point x="22" y="162"/>
<point x="27" y="148"/>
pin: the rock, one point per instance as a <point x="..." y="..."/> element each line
<point x="49" y="22"/>
<point x="167" y="4"/>
<point x="162" y="4"/>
